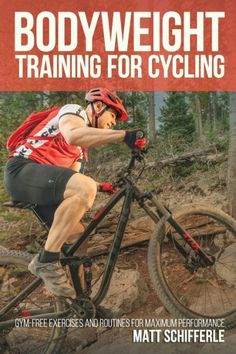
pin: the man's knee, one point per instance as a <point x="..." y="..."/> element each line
<point x="83" y="188"/>
<point x="89" y="192"/>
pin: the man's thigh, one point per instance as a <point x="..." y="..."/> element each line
<point x="39" y="184"/>
<point x="81" y="185"/>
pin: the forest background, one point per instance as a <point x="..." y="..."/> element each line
<point x="191" y="125"/>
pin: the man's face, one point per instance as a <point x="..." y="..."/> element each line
<point x="107" y="119"/>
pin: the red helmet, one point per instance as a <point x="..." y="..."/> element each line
<point x="110" y="99"/>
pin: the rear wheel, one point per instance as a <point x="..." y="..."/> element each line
<point x="14" y="277"/>
<point x="186" y="288"/>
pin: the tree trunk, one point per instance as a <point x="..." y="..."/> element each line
<point x="152" y="125"/>
<point x="210" y="110"/>
<point x="232" y="156"/>
<point x="198" y="116"/>
<point x="133" y="107"/>
<point x="214" y="110"/>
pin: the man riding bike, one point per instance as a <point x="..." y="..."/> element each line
<point x="46" y="173"/>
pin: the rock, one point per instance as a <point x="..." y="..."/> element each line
<point x="105" y="224"/>
<point x="159" y="310"/>
<point x="79" y="338"/>
<point x="97" y="238"/>
<point x="97" y="250"/>
<point x="127" y="292"/>
<point x="124" y="345"/>
<point x="143" y="224"/>
<point x="228" y="347"/>
<point x="2" y="248"/>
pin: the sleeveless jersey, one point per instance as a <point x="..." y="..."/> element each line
<point x="52" y="151"/>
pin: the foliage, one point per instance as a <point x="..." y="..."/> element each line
<point x="34" y="247"/>
<point x="177" y="135"/>
<point x="214" y="110"/>
<point x="16" y="106"/>
<point x="176" y="117"/>
<point x="136" y="104"/>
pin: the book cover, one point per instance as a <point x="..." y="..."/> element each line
<point x="173" y="65"/>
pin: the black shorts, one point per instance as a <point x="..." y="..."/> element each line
<point x="28" y="181"/>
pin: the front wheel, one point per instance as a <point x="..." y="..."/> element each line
<point x="186" y="288"/>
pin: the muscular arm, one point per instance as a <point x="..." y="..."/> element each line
<point x="76" y="132"/>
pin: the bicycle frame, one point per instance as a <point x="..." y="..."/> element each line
<point x="130" y="193"/>
<point x="127" y="193"/>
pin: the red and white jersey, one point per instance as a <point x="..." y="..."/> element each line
<point x="52" y="151"/>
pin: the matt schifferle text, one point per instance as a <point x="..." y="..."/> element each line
<point x="178" y="336"/>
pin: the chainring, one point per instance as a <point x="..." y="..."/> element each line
<point x="84" y="308"/>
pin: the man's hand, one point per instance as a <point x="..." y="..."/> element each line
<point x="135" y="139"/>
<point x="107" y="188"/>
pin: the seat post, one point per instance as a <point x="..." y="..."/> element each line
<point x="43" y="223"/>
<point x="44" y="214"/>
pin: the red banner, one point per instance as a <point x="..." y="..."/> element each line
<point x="123" y="45"/>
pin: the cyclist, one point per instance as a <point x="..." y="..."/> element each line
<point x="46" y="172"/>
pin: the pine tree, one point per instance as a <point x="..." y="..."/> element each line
<point x="136" y="104"/>
<point x="176" y="117"/>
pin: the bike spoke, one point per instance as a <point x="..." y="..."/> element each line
<point x="210" y="291"/>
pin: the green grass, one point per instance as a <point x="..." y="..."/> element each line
<point x="11" y="217"/>
<point x="35" y="247"/>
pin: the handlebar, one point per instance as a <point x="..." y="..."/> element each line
<point x="135" y="155"/>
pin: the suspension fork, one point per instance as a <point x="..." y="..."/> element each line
<point x="164" y="212"/>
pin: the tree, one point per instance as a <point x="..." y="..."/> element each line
<point x="137" y="105"/>
<point x="198" y="115"/>
<point x="152" y="125"/>
<point x="232" y="157"/>
<point x="211" y="111"/>
<point x="14" y="108"/>
<point x="176" y="117"/>
<point x="213" y="107"/>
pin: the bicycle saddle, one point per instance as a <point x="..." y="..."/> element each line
<point x="20" y="205"/>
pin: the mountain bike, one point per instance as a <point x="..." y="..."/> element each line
<point x="191" y="257"/>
